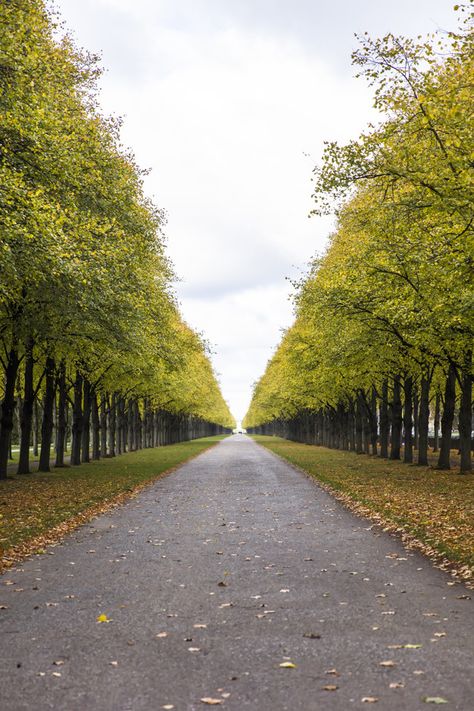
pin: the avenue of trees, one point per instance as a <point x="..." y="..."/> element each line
<point x="92" y="343"/>
<point x="380" y="354"/>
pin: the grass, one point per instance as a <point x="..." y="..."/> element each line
<point x="434" y="507"/>
<point x="36" y="509"/>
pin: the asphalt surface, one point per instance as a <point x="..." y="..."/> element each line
<point x="214" y="577"/>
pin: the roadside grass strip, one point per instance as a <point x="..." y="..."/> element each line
<point x="432" y="510"/>
<point x="39" y="509"/>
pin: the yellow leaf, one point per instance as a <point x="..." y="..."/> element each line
<point x="103" y="618"/>
<point x="287" y="665"/>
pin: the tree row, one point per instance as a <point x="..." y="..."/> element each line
<point x="89" y="326"/>
<point x="380" y="354"/>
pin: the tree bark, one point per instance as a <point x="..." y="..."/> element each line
<point x="444" y="460"/>
<point x="408" y="420"/>
<point x="112" y="423"/>
<point x="8" y="409"/>
<point x="48" y="421"/>
<point x="61" y="415"/>
<point x="77" y="421"/>
<point x="103" y="425"/>
<point x="384" y="421"/>
<point x="95" y="420"/>
<point x="465" y="415"/>
<point x="396" y="419"/>
<point x="86" y="421"/>
<point x="36" y="421"/>
<point x="26" y="416"/>
<point x="436" y="421"/>
<point x="423" y="421"/>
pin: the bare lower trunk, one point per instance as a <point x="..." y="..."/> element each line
<point x="61" y="415"/>
<point x="423" y="421"/>
<point x="26" y="415"/>
<point x="408" y="420"/>
<point x="48" y="421"/>
<point x="396" y="433"/>
<point x="86" y="421"/>
<point x="77" y="422"/>
<point x="444" y="460"/>
<point x="465" y="415"/>
<point x="8" y="409"/>
<point x="95" y="421"/>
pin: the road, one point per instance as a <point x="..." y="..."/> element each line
<point x="215" y="577"/>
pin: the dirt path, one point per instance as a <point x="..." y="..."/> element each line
<point x="211" y="580"/>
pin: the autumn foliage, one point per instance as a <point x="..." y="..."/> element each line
<point x="92" y="343"/>
<point x="380" y="354"/>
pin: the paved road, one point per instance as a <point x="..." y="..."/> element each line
<point x="214" y="577"/>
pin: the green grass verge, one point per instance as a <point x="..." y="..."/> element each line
<point x="435" y="507"/>
<point x="36" y="509"/>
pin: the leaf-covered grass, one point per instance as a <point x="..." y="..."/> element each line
<point x="435" y="507"/>
<point x="36" y="509"/>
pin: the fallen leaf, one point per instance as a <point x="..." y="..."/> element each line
<point x="369" y="699"/>
<point x="332" y="672"/>
<point x="193" y="649"/>
<point x="200" y="627"/>
<point x="162" y="634"/>
<point x="396" y="685"/>
<point x="103" y="618"/>
<point x="312" y="635"/>
<point x="208" y="699"/>
<point x="329" y="687"/>
<point x="287" y="665"/>
<point x="58" y="663"/>
<point x="114" y="664"/>
<point x="56" y="674"/>
<point x="412" y="646"/>
<point x="222" y="584"/>
<point x="387" y="663"/>
<point x="168" y="707"/>
<point x="225" y="694"/>
<point x="434" y="700"/>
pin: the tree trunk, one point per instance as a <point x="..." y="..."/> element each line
<point x="358" y="425"/>
<point x="36" y="421"/>
<point x="436" y="421"/>
<point x="408" y="420"/>
<point x="61" y="415"/>
<point x="103" y="425"/>
<point x="112" y="425"/>
<point x="7" y="410"/>
<point x="423" y="421"/>
<point x="26" y="416"/>
<point x="444" y="460"/>
<point x="77" y="421"/>
<point x="465" y="415"/>
<point x="48" y="421"/>
<point x="86" y="421"/>
<point x="384" y="421"/>
<point x="396" y="420"/>
<point x="95" y="426"/>
<point x="416" y="417"/>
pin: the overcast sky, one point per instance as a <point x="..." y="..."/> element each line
<point x="228" y="102"/>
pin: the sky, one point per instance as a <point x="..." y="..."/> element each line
<point x="228" y="103"/>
